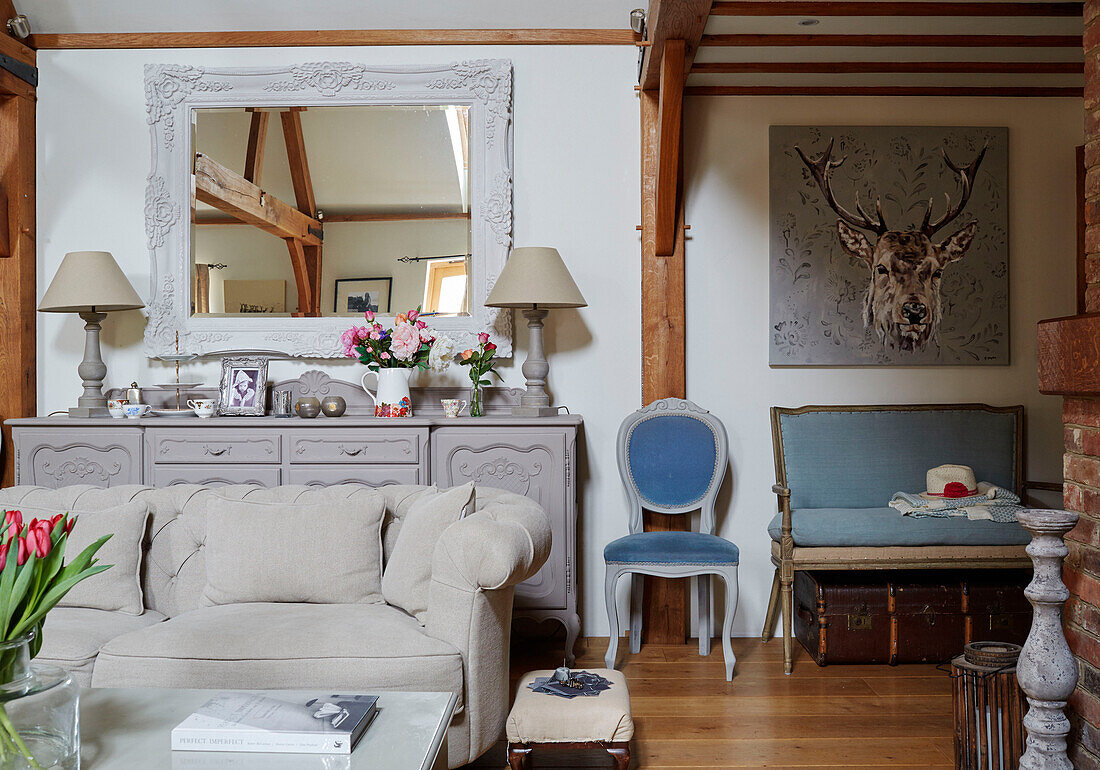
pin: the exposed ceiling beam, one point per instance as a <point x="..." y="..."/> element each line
<point x="334" y="37"/>
<point x="838" y="67"/>
<point x="828" y="8"/>
<point x="229" y="192"/>
<point x="667" y="20"/>
<point x="896" y="41"/>
<point x="1013" y="91"/>
<point x="669" y="121"/>
<point x="257" y="142"/>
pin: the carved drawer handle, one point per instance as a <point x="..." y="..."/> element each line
<point x="216" y="452"/>
<point x="352" y="452"/>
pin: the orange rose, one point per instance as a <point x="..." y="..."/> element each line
<point x="466" y="354"/>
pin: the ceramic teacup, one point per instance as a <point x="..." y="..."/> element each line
<point x="133" y="411"/>
<point x="204" y="407"/>
<point x="452" y="406"/>
<point x="115" y="407"/>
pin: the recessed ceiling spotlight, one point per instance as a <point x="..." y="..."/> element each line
<point x="808" y="22"/>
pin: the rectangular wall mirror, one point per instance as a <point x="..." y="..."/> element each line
<point x="390" y="184"/>
<point x="284" y="203"/>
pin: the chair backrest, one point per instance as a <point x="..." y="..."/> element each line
<point x="672" y="459"/>
<point x="859" y="456"/>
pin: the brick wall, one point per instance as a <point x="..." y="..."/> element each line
<point x="1082" y="459"/>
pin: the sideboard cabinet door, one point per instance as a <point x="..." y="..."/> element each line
<point x="100" y="457"/>
<point x="530" y="462"/>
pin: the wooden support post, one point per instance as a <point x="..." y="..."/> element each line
<point x="233" y="194"/>
<point x="18" y="397"/>
<point x="665" y="609"/>
<point x="669" y="119"/>
<point x="307" y="277"/>
<point x="309" y="300"/>
<point x="257" y="140"/>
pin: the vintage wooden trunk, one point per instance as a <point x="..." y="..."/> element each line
<point x="907" y="617"/>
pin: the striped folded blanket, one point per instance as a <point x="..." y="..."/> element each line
<point x="992" y="503"/>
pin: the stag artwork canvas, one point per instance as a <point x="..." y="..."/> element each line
<point x="889" y="246"/>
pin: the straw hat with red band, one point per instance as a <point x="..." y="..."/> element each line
<point x="949" y="482"/>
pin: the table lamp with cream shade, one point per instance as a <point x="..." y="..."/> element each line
<point x="535" y="279"/>
<point x="91" y="284"/>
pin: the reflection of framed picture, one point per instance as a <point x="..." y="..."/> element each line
<point x="355" y="296"/>
<point x="244" y="386"/>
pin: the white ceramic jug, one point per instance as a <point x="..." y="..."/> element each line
<point x="392" y="398"/>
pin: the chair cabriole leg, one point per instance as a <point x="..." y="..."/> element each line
<point x="610" y="579"/>
<point x="637" y="585"/>
<point x="621" y="754"/>
<point x="730" y="576"/>
<point x="703" y="593"/>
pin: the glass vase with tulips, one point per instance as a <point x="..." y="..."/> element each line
<point x="33" y="579"/>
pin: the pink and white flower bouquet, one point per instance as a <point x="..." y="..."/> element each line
<point x="408" y="344"/>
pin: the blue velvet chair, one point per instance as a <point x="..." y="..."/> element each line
<point x="672" y="459"/>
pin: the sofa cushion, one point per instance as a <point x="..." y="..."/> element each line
<point x="889" y="450"/>
<point x="409" y="570"/>
<point x="73" y="636"/>
<point x="334" y="548"/>
<point x="359" y="647"/>
<point x="118" y="588"/>
<point x="814" y="527"/>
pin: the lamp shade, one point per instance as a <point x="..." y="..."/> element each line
<point x="535" y="275"/>
<point x="89" y="281"/>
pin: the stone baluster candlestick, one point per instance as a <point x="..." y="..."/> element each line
<point x="1047" y="671"/>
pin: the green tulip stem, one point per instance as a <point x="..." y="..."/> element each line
<point x="10" y="733"/>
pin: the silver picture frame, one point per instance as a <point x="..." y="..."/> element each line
<point x="243" y="390"/>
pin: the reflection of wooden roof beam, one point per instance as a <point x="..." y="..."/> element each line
<point x="257" y="140"/>
<point x="305" y="259"/>
<point x="231" y="193"/>
<point x="363" y="217"/>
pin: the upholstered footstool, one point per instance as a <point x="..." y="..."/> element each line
<point x="546" y="721"/>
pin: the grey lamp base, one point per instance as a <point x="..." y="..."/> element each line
<point x="88" y="411"/>
<point x="534" y="411"/>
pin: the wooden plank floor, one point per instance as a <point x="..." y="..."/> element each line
<point x="687" y="716"/>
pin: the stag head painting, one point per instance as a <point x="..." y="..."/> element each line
<point x="918" y="276"/>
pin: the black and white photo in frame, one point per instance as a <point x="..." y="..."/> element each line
<point x="355" y="296"/>
<point x="244" y="386"/>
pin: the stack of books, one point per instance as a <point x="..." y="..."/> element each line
<point x="273" y="722"/>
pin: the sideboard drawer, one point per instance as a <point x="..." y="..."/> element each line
<point x="356" y="445"/>
<point x="213" y="475"/>
<point x="217" y="445"/>
<point x="370" y="475"/>
<point x="102" y="457"/>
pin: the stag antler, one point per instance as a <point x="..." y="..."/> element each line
<point x="821" y="168"/>
<point x="966" y="179"/>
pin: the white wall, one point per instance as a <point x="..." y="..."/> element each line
<point x="726" y="163"/>
<point x="576" y="147"/>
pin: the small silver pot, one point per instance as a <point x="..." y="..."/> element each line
<point x="334" y="406"/>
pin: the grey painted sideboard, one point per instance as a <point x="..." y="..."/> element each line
<point x="535" y="457"/>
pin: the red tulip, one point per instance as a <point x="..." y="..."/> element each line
<point x="21" y="554"/>
<point x="38" y="538"/>
<point x="54" y="521"/>
<point x="13" y="521"/>
<point x="4" y="554"/>
<point x="69" y="525"/>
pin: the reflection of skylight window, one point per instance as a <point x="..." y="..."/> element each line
<point x="458" y="125"/>
<point x="445" y="287"/>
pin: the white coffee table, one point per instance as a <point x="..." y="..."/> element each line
<point x="130" y="728"/>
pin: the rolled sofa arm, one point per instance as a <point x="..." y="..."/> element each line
<point x="477" y="561"/>
<point x="502" y="543"/>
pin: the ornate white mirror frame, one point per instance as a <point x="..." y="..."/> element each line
<point x="172" y="92"/>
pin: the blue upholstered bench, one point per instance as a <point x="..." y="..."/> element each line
<point x="838" y="466"/>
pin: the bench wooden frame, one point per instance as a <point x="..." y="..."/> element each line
<point x="789" y="558"/>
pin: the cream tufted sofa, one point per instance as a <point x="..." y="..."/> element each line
<point x="463" y="646"/>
